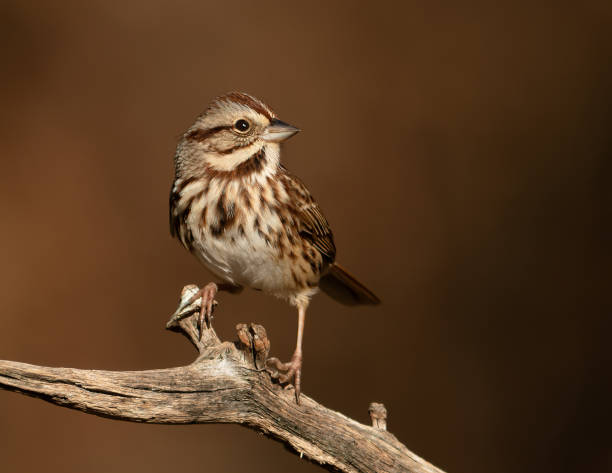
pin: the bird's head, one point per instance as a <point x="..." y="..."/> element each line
<point x="235" y="128"/>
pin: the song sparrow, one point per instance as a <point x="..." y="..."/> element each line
<point x="248" y="220"/>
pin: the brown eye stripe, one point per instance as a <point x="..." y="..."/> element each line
<point x="201" y="135"/>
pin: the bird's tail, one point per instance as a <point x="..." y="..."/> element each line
<point x="343" y="287"/>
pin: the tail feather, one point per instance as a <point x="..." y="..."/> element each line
<point x="343" y="287"/>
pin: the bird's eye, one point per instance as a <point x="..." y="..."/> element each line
<point x="242" y="125"/>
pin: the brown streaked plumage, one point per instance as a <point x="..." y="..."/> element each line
<point x="249" y="220"/>
<point x="250" y="102"/>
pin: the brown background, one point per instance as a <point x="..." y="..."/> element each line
<point x="461" y="154"/>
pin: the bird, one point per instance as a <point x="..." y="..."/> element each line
<point x="250" y="221"/>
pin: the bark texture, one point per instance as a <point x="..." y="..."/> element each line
<point x="227" y="383"/>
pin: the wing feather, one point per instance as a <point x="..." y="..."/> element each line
<point x="312" y="224"/>
<point x="314" y="227"/>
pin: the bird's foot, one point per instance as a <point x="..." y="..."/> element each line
<point x="285" y="372"/>
<point x="207" y="304"/>
<point x="207" y="293"/>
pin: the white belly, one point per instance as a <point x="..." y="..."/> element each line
<point x="245" y="262"/>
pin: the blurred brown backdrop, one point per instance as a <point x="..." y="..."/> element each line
<point x="461" y="153"/>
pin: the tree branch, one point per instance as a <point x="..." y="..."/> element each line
<point x="225" y="384"/>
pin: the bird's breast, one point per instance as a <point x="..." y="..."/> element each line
<point x="246" y="233"/>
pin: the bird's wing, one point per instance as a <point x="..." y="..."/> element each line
<point x="314" y="227"/>
<point x="312" y="224"/>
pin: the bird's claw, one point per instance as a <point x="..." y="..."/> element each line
<point x="207" y="306"/>
<point x="287" y="372"/>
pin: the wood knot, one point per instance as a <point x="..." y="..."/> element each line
<point x="184" y="309"/>
<point x="254" y="342"/>
<point x="378" y="414"/>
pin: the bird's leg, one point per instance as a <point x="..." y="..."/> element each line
<point x="293" y="369"/>
<point x="208" y="303"/>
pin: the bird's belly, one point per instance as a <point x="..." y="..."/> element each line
<point x="246" y="262"/>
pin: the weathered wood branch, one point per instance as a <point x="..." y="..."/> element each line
<point x="225" y="384"/>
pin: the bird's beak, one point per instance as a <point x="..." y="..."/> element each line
<point x="278" y="131"/>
